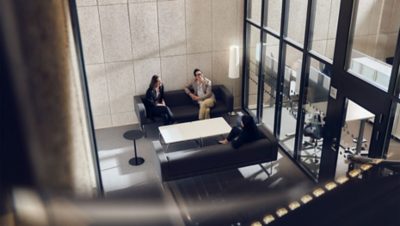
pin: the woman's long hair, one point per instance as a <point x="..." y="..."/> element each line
<point x="248" y="123"/>
<point x="153" y="81"/>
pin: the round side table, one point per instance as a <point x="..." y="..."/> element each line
<point x="133" y="135"/>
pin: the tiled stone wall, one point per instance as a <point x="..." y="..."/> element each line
<point x="125" y="42"/>
<point x="377" y="27"/>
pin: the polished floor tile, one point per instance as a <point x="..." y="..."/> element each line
<point x="223" y="198"/>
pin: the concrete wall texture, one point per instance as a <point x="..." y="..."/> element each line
<point x="125" y="42"/>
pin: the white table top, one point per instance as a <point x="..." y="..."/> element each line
<point x="194" y="130"/>
<point x="355" y="112"/>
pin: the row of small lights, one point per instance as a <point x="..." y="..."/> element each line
<point x="280" y="212"/>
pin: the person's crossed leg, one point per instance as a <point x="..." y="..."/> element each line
<point x="204" y="111"/>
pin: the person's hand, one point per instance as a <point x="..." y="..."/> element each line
<point x="161" y="103"/>
<point x="194" y="97"/>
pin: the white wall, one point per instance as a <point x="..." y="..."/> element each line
<point x="125" y="42"/>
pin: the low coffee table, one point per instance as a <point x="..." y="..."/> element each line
<point x="195" y="130"/>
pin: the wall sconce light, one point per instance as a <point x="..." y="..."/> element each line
<point x="233" y="62"/>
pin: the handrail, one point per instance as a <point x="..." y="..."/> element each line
<point x="318" y="192"/>
<point x="391" y="164"/>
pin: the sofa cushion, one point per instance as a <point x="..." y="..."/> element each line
<point x="185" y="113"/>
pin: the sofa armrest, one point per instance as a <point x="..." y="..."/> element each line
<point x="267" y="134"/>
<point x="160" y="154"/>
<point x="140" y="109"/>
<point x="227" y="98"/>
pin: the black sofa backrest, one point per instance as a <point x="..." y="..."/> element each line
<point x="176" y="98"/>
<point x="222" y="94"/>
<point x="173" y="98"/>
<point x="182" y="106"/>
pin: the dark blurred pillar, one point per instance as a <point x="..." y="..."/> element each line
<point x="38" y="52"/>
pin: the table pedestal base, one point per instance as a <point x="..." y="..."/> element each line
<point x="136" y="161"/>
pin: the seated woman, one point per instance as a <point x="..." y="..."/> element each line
<point x="155" y="99"/>
<point x="246" y="133"/>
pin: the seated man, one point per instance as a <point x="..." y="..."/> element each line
<point x="202" y="93"/>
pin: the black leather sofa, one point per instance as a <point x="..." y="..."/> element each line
<point x="182" y="106"/>
<point x="218" y="157"/>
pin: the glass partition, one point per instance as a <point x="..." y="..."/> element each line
<point x="253" y="60"/>
<point x="292" y="77"/>
<point x="372" y="37"/>
<point x="270" y="80"/>
<point x="314" y="110"/>
<point x="374" y="41"/>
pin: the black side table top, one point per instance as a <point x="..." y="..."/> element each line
<point x="133" y="134"/>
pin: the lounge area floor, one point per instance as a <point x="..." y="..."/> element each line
<point x="230" y="197"/>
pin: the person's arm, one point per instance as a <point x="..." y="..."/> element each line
<point x="245" y="137"/>
<point x="150" y="97"/>
<point x="238" y="141"/>
<point x="162" y="101"/>
<point x="187" y="88"/>
<point x="161" y="92"/>
<point x="208" y="90"/>
<point x="188" y="92"/>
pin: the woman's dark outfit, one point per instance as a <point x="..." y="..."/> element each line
<point x="239" y="135"/>
<point x="157" y="110"/>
